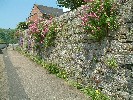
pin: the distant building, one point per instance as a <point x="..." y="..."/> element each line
<point x="40" y="11"/>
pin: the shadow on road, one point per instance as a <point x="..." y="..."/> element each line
<point x="16" y="89"/>
<point x="1" y="51"/>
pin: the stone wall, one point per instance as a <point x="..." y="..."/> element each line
<point x="87" y="61"/>
<point x="107" y="65"/>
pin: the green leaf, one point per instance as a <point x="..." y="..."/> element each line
<point x="108" y="20"/>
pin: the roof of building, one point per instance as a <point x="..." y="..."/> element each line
<point x="50" y="10"/>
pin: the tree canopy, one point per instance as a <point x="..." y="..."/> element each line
<point x="71" y="4"/>
<point x="22" y="26"/>
<point x="7" y="35"/>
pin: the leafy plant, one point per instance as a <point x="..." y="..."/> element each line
<point x="100" y="16"/>
<point x="38" y="30"/>
<point x="22" y="26"/>
<point x="44" y="33"/>
<point x="72" y="4"/>
<point x="95" y="59"/>
<point x="95" y="94"/>
<point x="52" y="69"/>
<point x="61" y="73"/>
<point x="8" y="35"/>
<point x="112" y="63"/>
<point x="50" y="36"/>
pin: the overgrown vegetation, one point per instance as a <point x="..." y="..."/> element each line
<point x="72" y="4"/>
<point x="44" y="33"/>
<point x="61" y="73"/>
<point x="100" y="17"/>
<point x="94" y="94"/>
<point x="51" y="35"/>
<point x="22" y="26"/>
<point x="7" y="36"/>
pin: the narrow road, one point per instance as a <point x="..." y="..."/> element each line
<point x="25" y="80"/>
<point x="16" y="89"/>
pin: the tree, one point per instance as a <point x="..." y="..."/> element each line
<point x="22" y="26"/>
<point x="71" y="4"/>
<point x="2" y="36"/>
<point x="7" y="35"/>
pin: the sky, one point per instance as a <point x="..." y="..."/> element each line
<point x="14" y="11"/>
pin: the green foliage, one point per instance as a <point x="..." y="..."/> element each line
<point x="44" y="33"/>
<point x="72" y="4"/>
<point x="2" y="36"/>
<point x="50" y="36"/>
<point x="52" y="68"/>
<point x="112" y="63"/>
<point x="22" y="26"/>
<point x="61" y="73"/>
<point x="95" y="59"/>
<point x="78" y="86"/>
<point x="95" y="94"/>
<point x="100" y="17"/>
<point x="7" y="35"/>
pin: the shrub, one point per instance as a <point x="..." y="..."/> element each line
<point x="100" y="16"/>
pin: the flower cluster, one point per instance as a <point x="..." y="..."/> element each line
<point x="43" y="32"/>
<point x="39" y="29"/>
<point x="99" y="17"/>
<point x="33" y="28"/>
<point x="51" y="35"/>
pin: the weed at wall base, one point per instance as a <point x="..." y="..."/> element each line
<point x="61" y="73"/>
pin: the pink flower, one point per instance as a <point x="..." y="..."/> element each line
<point x="33" y="28"/>
<point x="92" y="14"/>
<point x="38" y="31"/>
<point x="50" y="18"/>
<point x="85" y="19"/>
<point x="45" y="30"/>
<point x="42" y="35"/>
<point x="83" y="23"/>
<point x="41" y="41"/>
<point x="36" y="22"/>
<point x="88" y="0"/>
<point x="86" y="7"/>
